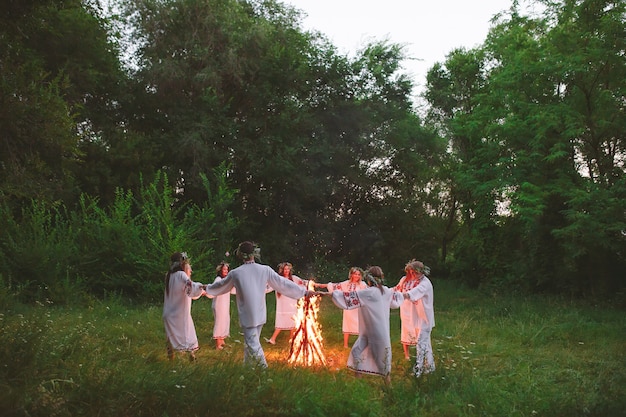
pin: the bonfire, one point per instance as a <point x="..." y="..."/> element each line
<point x="306" y="344"/>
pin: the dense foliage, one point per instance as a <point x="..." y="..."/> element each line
<point x="63" y="256"/>
<point x="536" y="121"/>
<point x="133" y="130"/>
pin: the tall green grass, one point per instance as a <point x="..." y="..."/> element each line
<point x="500" y="356"/>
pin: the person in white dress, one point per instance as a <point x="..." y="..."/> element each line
<point x="221" y="309"/>
<point x="350" y="322"/>
<point x="422" y="296"/>
<point x="371" y="353"/>
<point x="178" y="293"/>
<point x="285" y="307"/>
<point x="408" y="314"/>
<point x="250" y="281"/>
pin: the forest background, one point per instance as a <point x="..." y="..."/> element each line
<point x="133" y="129"/>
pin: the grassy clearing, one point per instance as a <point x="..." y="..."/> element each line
<point x="496" y="357"/>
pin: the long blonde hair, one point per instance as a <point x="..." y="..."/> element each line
<point x="355" y="269"/>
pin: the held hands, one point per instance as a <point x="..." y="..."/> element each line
<point x="207" y="295"/>
<point x="310" y="293"/>
<point x="405" y="294"/>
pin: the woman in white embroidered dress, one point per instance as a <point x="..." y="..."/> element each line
<point x="423" y="316"/>
<point x="285" y="307"/>
<point x="408" y="313"/>
<point x="350" y="322"/>
<point x="371" y="353"/>
<point x="221" y="309"/>
<point x="179" y="291"/>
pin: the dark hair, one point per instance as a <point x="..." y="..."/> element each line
<point x="218" y="268"/>
<point x="281" y="268"/>
<point x="178" y="260"/>
<point x="248" y="250"/>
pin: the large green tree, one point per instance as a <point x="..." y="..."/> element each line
<point x="541" y="178"/>
<point x="59" y="69"/>
<point x="458" y="110"/>
<point x="300" y="125"/>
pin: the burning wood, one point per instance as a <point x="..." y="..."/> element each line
<point x="306" y="344"/>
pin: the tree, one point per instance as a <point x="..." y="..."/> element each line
<point x="458" y="94"/>
<point x="548" y="143"/>
<point x="58" y="67"/>
<point x="587" y="44"/>
<point x="298" y="124"/>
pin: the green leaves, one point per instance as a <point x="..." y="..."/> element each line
<point x="527" y="117"/>
<point x="267" y="132"/>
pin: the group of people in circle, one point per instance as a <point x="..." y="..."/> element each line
<point x="364" y="298"/>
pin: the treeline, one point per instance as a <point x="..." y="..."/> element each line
<point x="131" y="129"/>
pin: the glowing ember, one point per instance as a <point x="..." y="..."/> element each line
<point x="306" y="344"/>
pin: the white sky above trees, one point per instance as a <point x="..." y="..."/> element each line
<point x="429" y="29"/>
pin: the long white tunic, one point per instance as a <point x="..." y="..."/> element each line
<point x="371" y="353"/>
<point x="408" y="313"/>
<point x="250" y="281"/>
<point x="221" y="313"/>
<point x="422" y="296"/>
<point x="286" y="307"/>
<point x="350" y="322"/>
<point x="177" y="320"/>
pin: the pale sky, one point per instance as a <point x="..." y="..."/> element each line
<point x="430" y="29"/>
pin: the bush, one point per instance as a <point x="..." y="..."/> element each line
<point x="54" y="254"/>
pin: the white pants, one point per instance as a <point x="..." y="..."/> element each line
<point x="253" y="354"/>
<point x="425" y="361"/>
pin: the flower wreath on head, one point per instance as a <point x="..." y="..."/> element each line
<point x="420" y="267"/>
<point x="175" y="264"/>
<point x="373" y="280"/>
<point x="425" y="270"/>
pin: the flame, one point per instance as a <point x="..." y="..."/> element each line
<point x="306" y="344"/>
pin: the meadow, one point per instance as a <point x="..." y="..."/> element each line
<point x="495" y="355"/>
